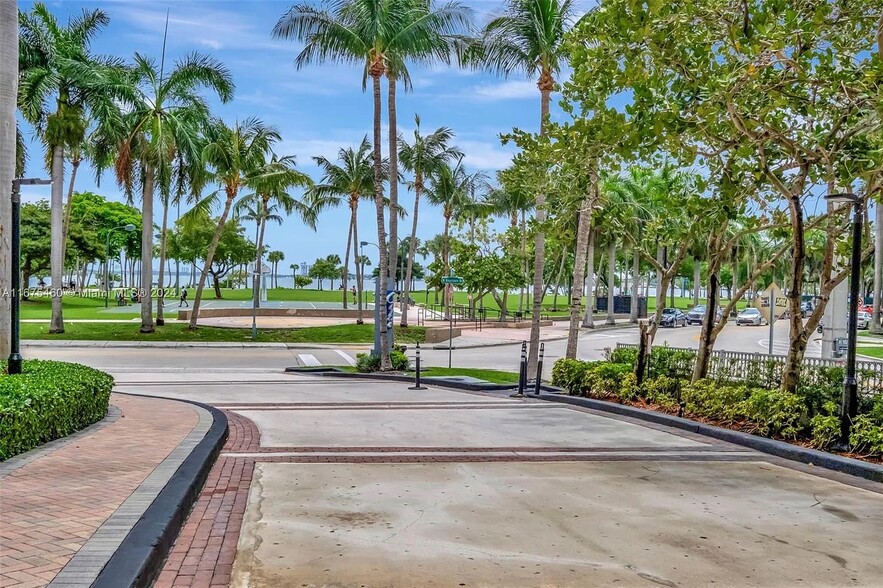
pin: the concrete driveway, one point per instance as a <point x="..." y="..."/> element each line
<point x="371" y="484"/>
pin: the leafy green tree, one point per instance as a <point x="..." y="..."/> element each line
<point x="193" y="237"/>
<point x="324" y="269"/>
<point x="302" y="281"/>
<point x="61" y="85"/>
<point x="35" y="240"/>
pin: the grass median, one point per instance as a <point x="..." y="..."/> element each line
<point x="179" y="332"/>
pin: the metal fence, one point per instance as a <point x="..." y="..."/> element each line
<point x="760" y="369"/>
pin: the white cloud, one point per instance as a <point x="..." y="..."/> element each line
<point x="485" y="155"/>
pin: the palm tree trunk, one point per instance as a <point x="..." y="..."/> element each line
<point x="584" y="227"/>
<point x="56" y="265"/>
<point x="589" y="319"/>
<point x="259" y="262"/>
<point x="393" y="179"/>
<point x="380" y="205"/>
<point x="147" y="252"/>
<point x="446" y="265"/>
<point x="209" y="258"/>
<point x="523" y="263"/>
<point x="697" y="276"/>
<point x="346" y="259"/>
<point x="636" y="277"/>
<point x="360" y="269"/>
<point x="412" y="250"/>
<point x="161" y="283"/>
<point x="558" y="280"/>
<point x="540" y="242"/>
<point x="75" y="165"/>
<point x="878" y="266"/>
<point x="611" y="271"/>
<point x="8" y="90"/>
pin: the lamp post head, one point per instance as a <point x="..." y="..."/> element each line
<point x="363" y="243"/>
<point x="129" y="228"/>
<point x="843" y="197"/>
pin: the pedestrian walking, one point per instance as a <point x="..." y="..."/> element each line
<point x="183" y="301"/>
<point x="353" y="290"/>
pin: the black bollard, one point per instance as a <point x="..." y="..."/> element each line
<point x="417" y="385"/>
<point x="539" y="379"/>
<point x="522" y="372"/>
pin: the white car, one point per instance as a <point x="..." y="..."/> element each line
<point x="864" y="320"/>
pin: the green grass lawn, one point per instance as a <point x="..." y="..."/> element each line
<point x="871" y="351"/>
<point x="495" y="376"/>
<point x="78" y="307"/>
<point x="178" y="332"/>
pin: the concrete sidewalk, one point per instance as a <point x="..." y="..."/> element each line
<point x="68" y="505"/>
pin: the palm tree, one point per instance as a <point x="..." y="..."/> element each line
<point x="8" y="143"/>
<point x="159" y="142"/>
<point x="271" y="197"/>
<point x="527" y="38"/>
<point x="424" y="157"/>
<point x="351" y="181"/>
<point x="61" y="85"/>
<point x="237" y="157"/>
<point x="274" y="257"/>
<point x="379" y="35"/>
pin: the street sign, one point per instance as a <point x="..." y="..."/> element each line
<point x="780" y="304"/>
<point x="452" y="280"/>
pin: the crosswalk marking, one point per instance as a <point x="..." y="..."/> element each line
<point x="309" y="359"/>
<point x="346" y="357"/>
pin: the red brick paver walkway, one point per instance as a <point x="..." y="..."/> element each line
<point x="52" y="506"/>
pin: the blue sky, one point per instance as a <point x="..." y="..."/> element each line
<point x="318" y="109"/>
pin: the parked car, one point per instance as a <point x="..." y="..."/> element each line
<point x="672" y="317"/>
<point x="806" y="309"/>
<point x="750" y="316"/>
<point x="864" y="319"/>
<point x="697" y="314"/>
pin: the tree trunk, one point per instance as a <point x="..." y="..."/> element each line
<point x="558" y="280"/>
<point x="161" y="283"/>
<point x="209" y="258"/>
<point x="707" y="335"/>
<point x="636" y="279"/>
<point x="346" y="257"/>
<point x="380" y="205"/>
<point x="878" y="266"/>
<point x="259" y="261"/>
<point x="589" y="318"/>
<point x="540" y="245"/>
<point x="393" y="262"/>
<point x="611" y="270"/>
<point x="56" y="265"/>
<point x="584" y="227"/>
<point x="697" y="276"/>
<point x="217" y="285"/>
<point x="147" y="252"/>
<point x="8" y="91"/>
<point x="360" y="269"/>
<point x="797" y="335"/>
<point x="65" y="227"/>
<point x="412" y="249"/>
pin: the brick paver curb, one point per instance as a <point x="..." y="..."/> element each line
<point x="54" y="503"/>
<point x="138" y="559"/>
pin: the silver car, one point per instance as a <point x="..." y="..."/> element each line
<point x="864" y="320"/>
<point x="750" y="316"/>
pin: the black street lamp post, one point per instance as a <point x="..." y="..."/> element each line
<point x="849" y="408"/>
<point x="14" y="361"/>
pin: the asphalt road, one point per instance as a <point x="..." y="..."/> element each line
<point x="592" y="345"/>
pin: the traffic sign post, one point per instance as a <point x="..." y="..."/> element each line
<point x="772" y="304"/>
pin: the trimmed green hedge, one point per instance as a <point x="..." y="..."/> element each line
<point x="49" y="400"/>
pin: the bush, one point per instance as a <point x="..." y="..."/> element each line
<point x="825" y="430"/>
<point x="367" y="362"/>
<point x="570" y="374"/>
<point x="676" y="363"/>
<point x="707" y="398"/>
<point x="627" y="355"/>
<point x="662" y="391"/>
<point x="49" y="400"/>
<point x="774" y="412"/>
<point x="605" y="379"/>
<point x="628" y="387"/>
<point x="866" y="436"/>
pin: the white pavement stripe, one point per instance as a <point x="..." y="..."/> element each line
<point x="309" y="359"/>
<point x="650" y="455"/>
<point x="346" y="357"/>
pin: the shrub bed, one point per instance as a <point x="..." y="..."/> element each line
<point x="809" y="416"/>
<point x="49" y="400"/>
